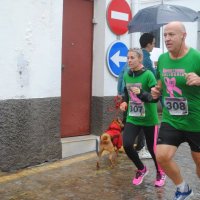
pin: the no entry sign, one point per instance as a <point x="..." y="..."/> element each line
<point x="118" y="16"/>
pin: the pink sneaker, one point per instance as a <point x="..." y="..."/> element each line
<point x="140" y="174"/>
<point x="160" y="179"/>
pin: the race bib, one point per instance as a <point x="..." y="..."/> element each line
<point x="136" y="109"/>
<point x="176" y="105"/>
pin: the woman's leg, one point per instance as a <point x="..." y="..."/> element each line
<point x="151" y="135"/>
<point x="130" y="133"/>
<point x="140" y="141"/>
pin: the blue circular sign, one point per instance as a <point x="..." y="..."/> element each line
<point x="116" y="57"/>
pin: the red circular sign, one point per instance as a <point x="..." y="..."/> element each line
<point x="118" y="16"/>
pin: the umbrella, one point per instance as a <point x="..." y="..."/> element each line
<point x="153" y="17"/>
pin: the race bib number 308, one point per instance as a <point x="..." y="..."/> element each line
<point x="136" y="109"/>
<point x="176" y="105"/>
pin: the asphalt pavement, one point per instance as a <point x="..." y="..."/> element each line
<point x="77" y="178"/>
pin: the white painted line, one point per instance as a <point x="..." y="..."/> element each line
<point x="119" y="15"/>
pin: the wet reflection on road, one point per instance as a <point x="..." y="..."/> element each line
<point x="78" y="179"/>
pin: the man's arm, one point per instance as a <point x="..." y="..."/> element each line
<point x="192" y="79"/>
<point x="149" y="65"/>
<point x="120" y="83"/>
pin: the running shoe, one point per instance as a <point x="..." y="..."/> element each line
<point x="183" y="195"/>
<point x="144" y="153"/>
<point x="140" y="174"/>
<point x="160" y="179"/>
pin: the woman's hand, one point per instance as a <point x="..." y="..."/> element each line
<point x="123" y="106"/>
<point x="135" y="90"/>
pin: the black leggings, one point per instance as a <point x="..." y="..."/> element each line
<point x="131" y="131"/>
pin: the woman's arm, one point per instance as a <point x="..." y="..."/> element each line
<point x="143" y="95"/>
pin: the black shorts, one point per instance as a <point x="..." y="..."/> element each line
<point x="170" y="135"/>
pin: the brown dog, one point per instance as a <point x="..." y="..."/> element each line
<point x="111" y="141"/>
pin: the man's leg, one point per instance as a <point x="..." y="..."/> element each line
<point x="168" y="141"/>
<point x="196" y="158"/>
<point x="164" y="156"/>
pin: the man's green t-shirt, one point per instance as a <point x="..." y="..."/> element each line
<point x="140" y="113"/>
<point x="181" y="102"/>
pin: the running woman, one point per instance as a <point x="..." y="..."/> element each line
<point x="141" y="114"/>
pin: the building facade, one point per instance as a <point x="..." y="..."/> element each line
<point x="55" y="81"/>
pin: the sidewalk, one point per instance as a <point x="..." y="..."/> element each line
<point x="77" y="179"/>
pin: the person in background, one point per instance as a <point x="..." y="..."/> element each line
<point x="147" y="43"/>
<point x="141" y="115"/>
<point x="121" y="86"/>
<point x="179" y="81"/>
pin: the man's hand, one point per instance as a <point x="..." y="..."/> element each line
<point x="156" y="91"/>
<point x="192" y="79"/>
<point x="123" y="106"/>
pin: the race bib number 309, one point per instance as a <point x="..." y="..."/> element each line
<point x="176" y="105"/>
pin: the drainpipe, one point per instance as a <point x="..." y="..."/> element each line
<point x="135" y="7"/>
<point x="162" y="32"/>
<point x="131" y="37"/>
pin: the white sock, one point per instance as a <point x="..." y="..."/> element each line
<point x="183" y="187"/>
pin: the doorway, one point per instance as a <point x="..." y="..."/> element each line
<point x="77" y="48"/>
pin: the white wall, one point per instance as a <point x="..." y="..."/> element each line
<point x="104" y="83"/>
<point x="30" y="53"/>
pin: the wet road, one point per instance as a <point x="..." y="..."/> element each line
<point x="77" y="179"/>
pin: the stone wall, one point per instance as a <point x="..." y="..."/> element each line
<point x="29" y="132"/>
<point x="103" y="112"/>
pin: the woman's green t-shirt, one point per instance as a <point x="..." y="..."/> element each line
<point x="139" y="113"/>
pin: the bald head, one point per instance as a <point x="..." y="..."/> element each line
<point x="174" y="35"/>
<point x="176" y="25"/>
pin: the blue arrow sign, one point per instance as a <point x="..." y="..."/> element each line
<point x="116" y="57"/>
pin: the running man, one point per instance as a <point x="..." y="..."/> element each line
<point x="179" y="81"/>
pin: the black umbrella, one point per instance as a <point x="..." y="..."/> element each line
<point x="153" y="17"/>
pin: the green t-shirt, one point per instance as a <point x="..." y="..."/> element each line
<point x="181" y="102"/>
<point x="140" y="113"/>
